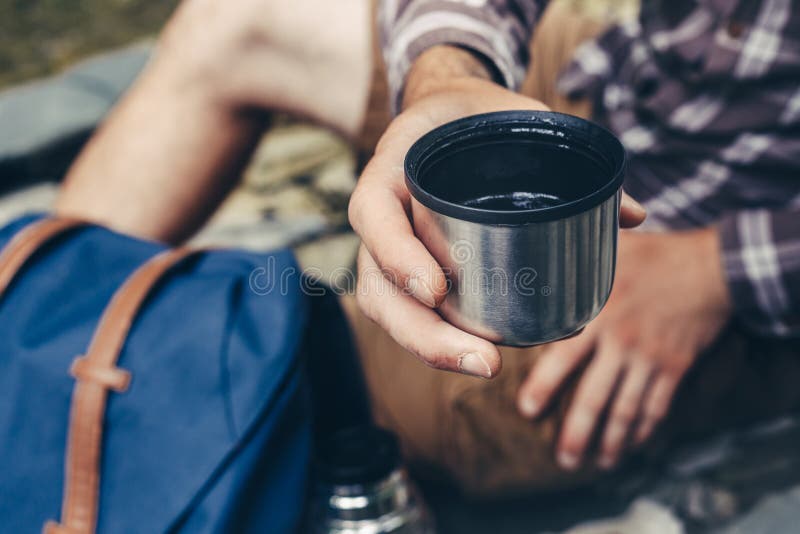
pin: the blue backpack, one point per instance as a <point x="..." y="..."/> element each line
<point x="201" y="422"/>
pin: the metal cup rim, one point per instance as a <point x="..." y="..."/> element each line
<point x="547" y="127"/>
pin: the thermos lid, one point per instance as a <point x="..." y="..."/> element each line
<point x="358" y="455"/>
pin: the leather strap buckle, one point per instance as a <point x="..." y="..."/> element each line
<point x="112" y="378"/>
<point x="52" y="527"/>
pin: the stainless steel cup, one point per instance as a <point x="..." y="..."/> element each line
<point x="521" y="209"/>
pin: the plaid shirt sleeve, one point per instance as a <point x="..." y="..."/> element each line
<point x="761" y="256"/>
<point x="498" y="30"/>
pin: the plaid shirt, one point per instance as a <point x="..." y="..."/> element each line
<point x="705" y="95"/>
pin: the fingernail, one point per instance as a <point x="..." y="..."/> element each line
<point x="528" y="407"/>
<point x="633" y="204"/>
<point x="568" y="461"/>
<point x="473" y="363"/>
<point x="606" y="462"/>
<point x="419" y="288"/>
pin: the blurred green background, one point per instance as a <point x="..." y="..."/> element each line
<point x="38" y="37"/>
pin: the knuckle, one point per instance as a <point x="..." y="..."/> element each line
<point x="625" y="413"/>
<point x="669" y="367"/>
<point x="365" y="303"/>
<point x="626" y="336"/>
<point x="591" y="406"/>
<point x="675" y="365"/>
<point x="656" y="412"/>
<point x="623" y="283"/>
<point x="389" y="136"/>
<point x="355" y="208"/>
<point x="386" y="138"/>
<point x="613" y="437"/>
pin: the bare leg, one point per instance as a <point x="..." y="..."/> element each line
<point x="178" y="141"/>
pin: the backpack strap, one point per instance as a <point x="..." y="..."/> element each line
<point x="28" y="241"/>
<point x="96" y="373"/>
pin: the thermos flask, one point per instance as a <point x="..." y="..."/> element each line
<point x="363" y="488"/>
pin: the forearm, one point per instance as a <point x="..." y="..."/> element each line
<point x="439" y="68"/>
<point x="498" y="32"/>
<point x="163" y="160"/>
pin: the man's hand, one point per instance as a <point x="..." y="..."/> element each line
<point x="400" y="283"/>
<point x="669" y="302"/>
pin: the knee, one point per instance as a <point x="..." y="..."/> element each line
<point x="202" y="41"/>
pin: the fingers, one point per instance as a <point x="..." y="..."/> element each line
<point x="631" y="213"/>
<point x="378" y="214"/>
<point x="656" y="406"/>
<point x="554" y="366"/>
<point x="624" y="413"/>
<point x="419" y="329"/>
<point x="591" y="398"/>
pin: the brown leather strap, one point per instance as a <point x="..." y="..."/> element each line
<point x="96" y="374"/>
<point x="27" y="241"/>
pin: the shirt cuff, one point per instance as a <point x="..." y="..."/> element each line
<point x="408" y="44"/>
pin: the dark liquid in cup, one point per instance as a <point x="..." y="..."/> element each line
<point x="514" y="174"/>
<point x="516" y="200"/>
